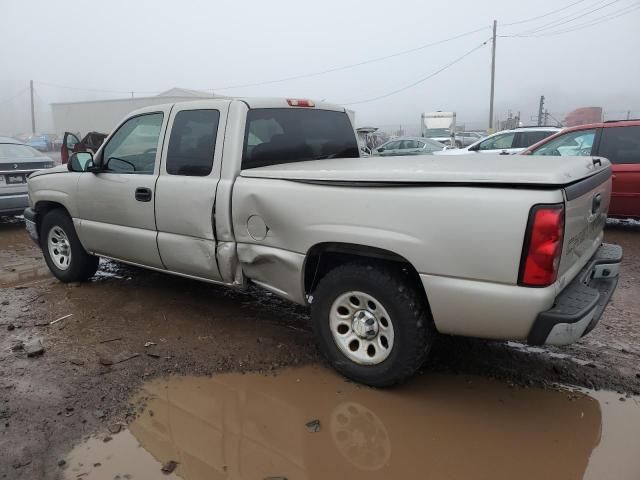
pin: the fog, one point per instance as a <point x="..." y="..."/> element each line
<point x="79" y="50"/>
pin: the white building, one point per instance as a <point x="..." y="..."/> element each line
<point x="103" y="115"/>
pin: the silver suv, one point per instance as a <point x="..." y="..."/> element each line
<point x="506" y="142"/>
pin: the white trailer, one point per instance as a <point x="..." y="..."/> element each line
<point x="439" y="126"/>
<point x="103" y="115"/>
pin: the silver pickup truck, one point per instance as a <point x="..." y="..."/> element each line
<point x="387" y="252"/>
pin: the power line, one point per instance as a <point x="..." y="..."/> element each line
<point x="352" y="65"/>
<point x="294" y="77"/>
<point x="543" y="15"/>
<point x="386" y="57"/>
<point x="560" y="19"/>
<point x="13" y="97"/>
<point x="565" y="20"/>
<point x="421" y="80"/>
<point x="619" y="13"/>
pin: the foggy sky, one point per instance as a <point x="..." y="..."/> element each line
<point x="150" y="46"/>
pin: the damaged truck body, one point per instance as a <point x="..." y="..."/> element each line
<point x="386" y="251"/>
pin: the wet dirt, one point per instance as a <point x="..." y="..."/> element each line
<point x="95" y="356"/>
<point x="253" y="426"/>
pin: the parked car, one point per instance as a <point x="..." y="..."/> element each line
<point x="89" y="143"/>
<point x="408" y="146"/>
<point x="619" y="142"/>
<point x="505" y="142"/>
<point x="17" y="162"/>
<point x="42" y="143"/>
<point x="464" y="139"/>
<point x="386" y="252"/>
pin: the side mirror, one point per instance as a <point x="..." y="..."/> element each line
<point x="380" y="150"/>
<point x="474" y="148"/>
<point x="80" y="162"/>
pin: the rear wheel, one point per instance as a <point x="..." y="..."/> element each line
<point x="371" y="323"/>
<point x="63" y="252"/>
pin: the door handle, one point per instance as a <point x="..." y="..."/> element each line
<point x="143" y="194"/>
<point x="504" y="152"/>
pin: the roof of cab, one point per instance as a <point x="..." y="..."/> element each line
<point x="251" y="102"/>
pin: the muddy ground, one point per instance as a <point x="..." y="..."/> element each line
<point x="95" y="356"/>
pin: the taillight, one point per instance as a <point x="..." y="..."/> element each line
<point x="296" y="102"/>
<point x="542" y="246"/>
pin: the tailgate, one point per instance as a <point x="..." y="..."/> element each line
<point x="586" y="206"/>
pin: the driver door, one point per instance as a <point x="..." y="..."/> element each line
<point x="116" y="205"/>
<point x="69" y="142"/>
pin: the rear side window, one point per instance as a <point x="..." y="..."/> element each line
<point x="392" y="146"/>
<point x="529" y="138"/>
<point x="499" y="142"/>
<point x="620" y="144"/>
<point x="193" y="142"/>
<point x="286" y="135"/>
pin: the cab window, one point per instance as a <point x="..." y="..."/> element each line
<point x="132" y="149"/>
<point x="570" y="144"/>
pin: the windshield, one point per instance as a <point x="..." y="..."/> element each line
<point x="437" y="132"/>
<point x="285" y="135"/>
<point x="570" y="144"/>
<point x="13" y="151"/>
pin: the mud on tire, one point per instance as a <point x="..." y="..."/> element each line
<point x="409" y="332"/>
<point x="63" y="252"/>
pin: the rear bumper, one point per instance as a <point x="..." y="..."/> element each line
<point x="13" y="204"/>
<point x="577" y="309"/>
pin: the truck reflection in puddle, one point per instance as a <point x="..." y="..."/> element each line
<point x="253" y="426"/>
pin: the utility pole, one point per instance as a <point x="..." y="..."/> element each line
<point x="33" y="117"/>
<point x="628" y="114"/>
<point x="493" y="73"/>
<point x="546" y="117"/>
<point x="540" y="110"/>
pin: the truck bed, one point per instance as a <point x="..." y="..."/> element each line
<point x="544" y="172"/>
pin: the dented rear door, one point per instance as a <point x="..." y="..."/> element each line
<point x="186" y="188"/>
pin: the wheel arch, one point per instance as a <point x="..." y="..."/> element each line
<point x="323" y="257"/>
<point x="45" y="206"/>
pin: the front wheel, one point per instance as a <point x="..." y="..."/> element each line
<point x="63" y="252"/>
<point x="371" y="323"/>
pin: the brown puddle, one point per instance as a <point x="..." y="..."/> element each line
<point x="437" y="426"/>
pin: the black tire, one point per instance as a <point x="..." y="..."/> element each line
<point x="414" y="331"/>
<point x="82" y="266"/>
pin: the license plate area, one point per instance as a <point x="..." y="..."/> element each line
<point x="15" y="179"/>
